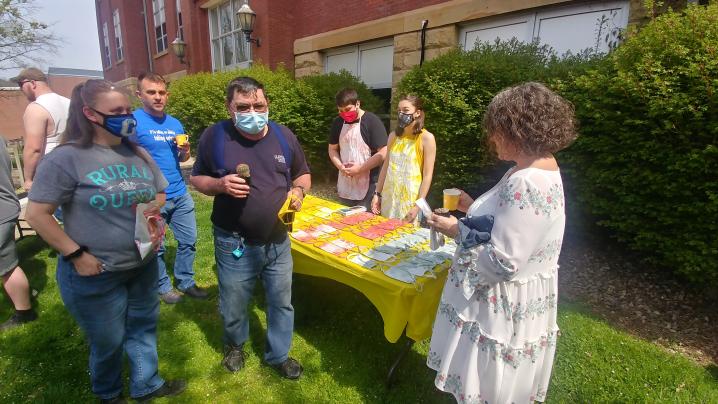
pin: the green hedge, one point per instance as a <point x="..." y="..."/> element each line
<point x="646" y="162"/>
<point x="198" y="101"/>
<point x="456" y="89"/>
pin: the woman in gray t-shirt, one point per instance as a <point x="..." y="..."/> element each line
<point x="98" y="176"/>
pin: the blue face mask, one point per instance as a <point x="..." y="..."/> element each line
<point x="122" y="125"/>
<point x="251" y="122"/>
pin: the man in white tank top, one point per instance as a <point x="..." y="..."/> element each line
<point x="44" y="119"/>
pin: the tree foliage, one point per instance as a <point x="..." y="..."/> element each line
<point x="22" y="38"/>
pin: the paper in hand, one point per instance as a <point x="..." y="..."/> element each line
<point x="149" y="230"/>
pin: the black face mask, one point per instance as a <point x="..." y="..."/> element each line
<point x="404" y="120"/>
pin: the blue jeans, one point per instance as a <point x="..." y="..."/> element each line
<point x="271" y="262"/>
<point x="179" y="215"/>
<point x="117" y="311"/>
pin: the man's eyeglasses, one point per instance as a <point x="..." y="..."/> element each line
<point x="258" y="107"/>
<point x="22" y="83"/>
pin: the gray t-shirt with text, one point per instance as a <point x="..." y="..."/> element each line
<point x="98" y="188"/>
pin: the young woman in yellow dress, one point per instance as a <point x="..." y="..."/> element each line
<point x="409" y="164"/>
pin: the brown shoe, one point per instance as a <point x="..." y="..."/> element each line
<point x="171" y="297"/>
<point x="195" y="292"/>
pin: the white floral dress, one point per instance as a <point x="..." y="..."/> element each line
<point x="495" y="332"/>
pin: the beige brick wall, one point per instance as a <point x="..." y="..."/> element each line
<point x="407" y="49"/>
<point x="308" y="64"/>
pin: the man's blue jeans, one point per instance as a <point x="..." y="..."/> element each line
<point x="179" y="215"/>
<point x="271" y="262"/>
<point x="117" y="311"/>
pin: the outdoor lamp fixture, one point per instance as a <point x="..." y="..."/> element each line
<point x="246" y="17"/>
<point x="178" y="47"/>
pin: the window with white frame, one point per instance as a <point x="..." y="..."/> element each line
<point x="106" y="43"/>
<point x="372" y="62"/>
<point x="229" y="48"/>
<point x="158" y="14"/>
<point x="180" y="25"/>
<point x="575" y="27"/>
<point x="118" y="34"/>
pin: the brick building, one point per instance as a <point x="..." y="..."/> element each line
<point x="378" y="41"/>
<point x="13" y="101"/>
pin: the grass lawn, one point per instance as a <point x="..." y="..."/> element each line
<point x="339" y="340"/>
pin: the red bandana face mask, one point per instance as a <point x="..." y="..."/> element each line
<point x="349" y="116"/>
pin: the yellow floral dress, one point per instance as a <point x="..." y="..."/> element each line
<point x="403" y="176"/>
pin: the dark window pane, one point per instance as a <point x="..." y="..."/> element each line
<point x="384" y="111"/>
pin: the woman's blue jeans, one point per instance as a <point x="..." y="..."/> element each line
<point x="118" y="312"/>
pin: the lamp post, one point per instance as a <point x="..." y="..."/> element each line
<point x="179" y="47"/>
<point x="246" y="17"/>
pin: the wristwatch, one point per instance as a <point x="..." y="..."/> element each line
<point x="75" y="254"/>
<point x="377" y="193"/>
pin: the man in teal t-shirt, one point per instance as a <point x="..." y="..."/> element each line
<point x="164" y="138"/>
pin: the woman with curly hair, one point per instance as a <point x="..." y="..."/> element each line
<point x="495" y="332"/>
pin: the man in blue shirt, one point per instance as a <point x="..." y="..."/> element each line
<point x="157" y="132"/>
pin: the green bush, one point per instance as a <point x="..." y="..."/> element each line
<point x="198" y="101"/>
<point x="457" y="87"/>
<point x="326" y="87"/>
<point x="646" y="162"/>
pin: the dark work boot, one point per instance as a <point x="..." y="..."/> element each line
<point x="234" y="357"/>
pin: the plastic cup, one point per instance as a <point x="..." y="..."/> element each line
<point x="181" y="140"/>
<point x="451" y="198"/>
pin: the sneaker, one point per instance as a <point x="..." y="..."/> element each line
<point x="18" y="319"/>
<point x="170" y="388"/>
<point x="234" y="358"/>
<point x="195" y="292"/>
<point x="290" y="368"/>
<point x="171" y="297"/>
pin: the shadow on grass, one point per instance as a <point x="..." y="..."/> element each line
<point x="45" y="360"/>
<point x="348" y="331"/>
<point x="713" y="371"/>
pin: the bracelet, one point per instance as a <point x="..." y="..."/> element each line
<point x="304" y="193"/>
<point x="377" y="193"/>
<point x="75" y="254"/>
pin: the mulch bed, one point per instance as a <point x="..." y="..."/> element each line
<point x="646" y="302"/>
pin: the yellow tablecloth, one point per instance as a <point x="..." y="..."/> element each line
<point x="400" y="304"/>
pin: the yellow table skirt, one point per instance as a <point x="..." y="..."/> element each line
<point x="401" y="305"/>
